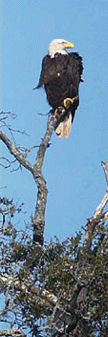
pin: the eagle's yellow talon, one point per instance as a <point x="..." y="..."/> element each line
<point x="67" y="102"/>
<point x="59" y="110"/>
<point x="56" y="112"/>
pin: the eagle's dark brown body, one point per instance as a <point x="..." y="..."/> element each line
<point x="61" y="76"/>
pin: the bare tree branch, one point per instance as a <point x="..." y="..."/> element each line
<point x="5" y="115"/>
<point x="12" y="333"/>
<point x="39" y="217"/>
<point x="7" y="282"/>
<point x="98" y="216"/>
<point x="105" y="171"/>
<point x="36" y="170"/>
<point x="15" y="152"/>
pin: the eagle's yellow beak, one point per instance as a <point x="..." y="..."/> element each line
<point x="69" y="45"/>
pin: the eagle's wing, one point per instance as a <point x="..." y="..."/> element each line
<point x="52" y="68"/>
<point x="75" y="67"/>
<point x="47" y="72"/>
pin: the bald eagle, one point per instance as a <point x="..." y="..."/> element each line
<point x="60" y="75"/>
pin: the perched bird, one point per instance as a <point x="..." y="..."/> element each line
<point x="60" y="75"/>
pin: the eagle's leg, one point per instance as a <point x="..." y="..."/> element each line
<point x="60" y="110"/>
<point x="69" y="101"/>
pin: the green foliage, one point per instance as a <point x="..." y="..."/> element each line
<point x="60" y="269"/>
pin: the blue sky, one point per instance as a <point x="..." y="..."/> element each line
<point x="72" y="168"/>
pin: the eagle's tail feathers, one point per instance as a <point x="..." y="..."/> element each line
<point x="64" y="128"/>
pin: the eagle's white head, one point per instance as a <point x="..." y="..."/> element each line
<point x="59" y="46"/>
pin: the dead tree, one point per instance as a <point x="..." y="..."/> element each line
<point x="36" y="170"/>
